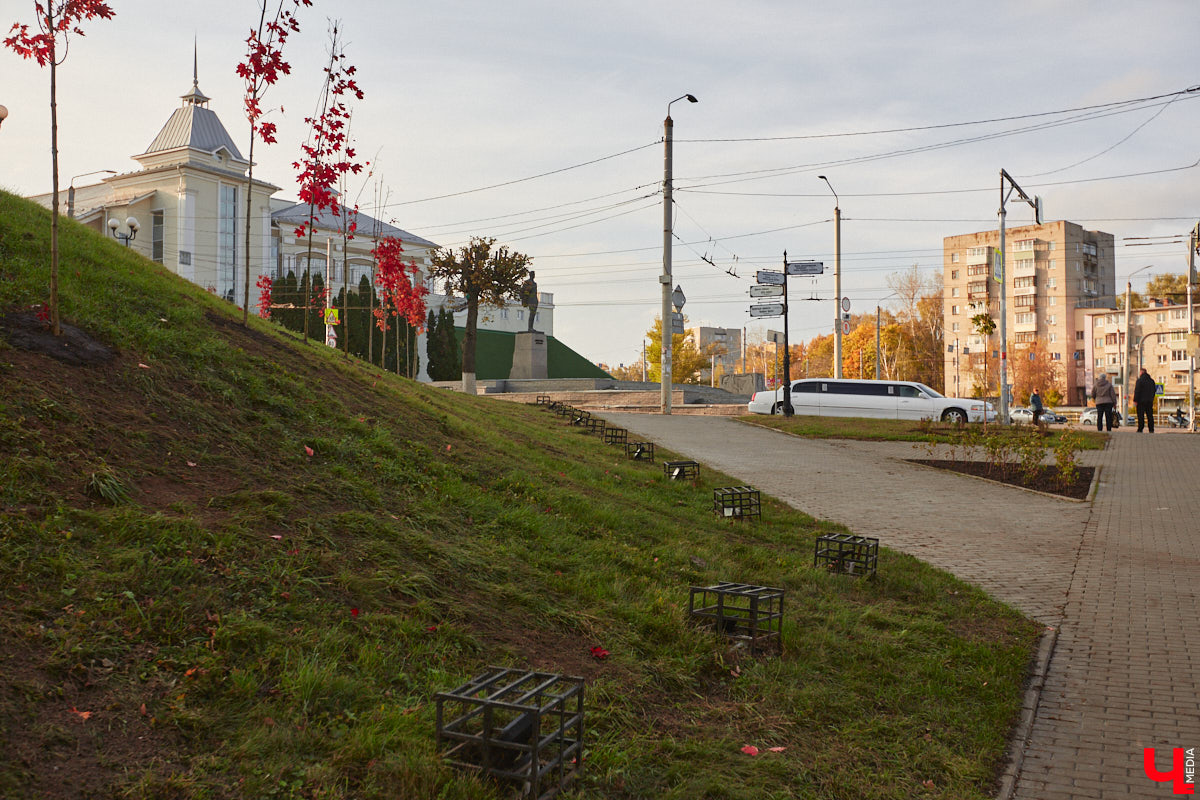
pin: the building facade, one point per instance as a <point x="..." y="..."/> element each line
<point x="727" y="349"/>
<point x="1159" y="338"/>
<point x="1052" y="270"/>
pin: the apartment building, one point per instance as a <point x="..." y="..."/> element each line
<point x="727" y="349"/>
<point x="1160" y="343"/>
<point x="1052" y="270"/>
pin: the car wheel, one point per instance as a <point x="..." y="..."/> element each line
<point x="955" y="416"/>
<point x="777" y="409"/>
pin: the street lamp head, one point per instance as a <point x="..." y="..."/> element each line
<point x="836" y="201"/>
<point x="132" y="223"/>
<point x="113" y="224"/>
<point x="691" y="98"/>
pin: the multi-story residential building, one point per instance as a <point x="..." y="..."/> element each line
<point x="1159" y="337"/>
<point x="1052" y="270"/>
<point x="726" y="344"/>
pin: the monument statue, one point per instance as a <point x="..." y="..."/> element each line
<point x="529" y="298"/>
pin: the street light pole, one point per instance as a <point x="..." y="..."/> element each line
<point x="666" y="278"/>
<point x="837" y="280"/>
<point x="71" y="189"/>
<point x="1127" y="345"/>
<point x="877" y="305"/>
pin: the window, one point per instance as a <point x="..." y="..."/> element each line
<point x="156" y="236"/>
<point x="1161" y="316"/>
<point x="977" y="251"/>
<point x="1056" y="356"/>
<point x="954" y="327"/>
<point x="953" y="274"/>
<point x="1079" y="336"/>
<point x="1100" y="342"/>
<point x="1023" y="283"/>
<point x="1179" y="355"/>
<point x="1025" y="318"/>
<point x="953" y="309"/>
<point x="227" y="241"/>
<point x="1181" y="378"/>
<point x="954" y="258"/>
<point x="1052" y="337"/>
<point x="1162" y="358"/>
<point x="1178" y="336"/>
<point x="1023" y="263"/>
<point x="1179" y="313"/>
<point x="1051" y="283"/>
<point x="1024" y="244"/>
<point x="1050" y="248"/>
<point x="954" y="291"/>
<point x="1099" y="361"/>
<point x="1052" y="300"/>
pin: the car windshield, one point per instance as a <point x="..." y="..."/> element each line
<point x="930" y="392"/>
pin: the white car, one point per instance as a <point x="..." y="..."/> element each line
<point x="1088" y="417"/>
<point x="828" y="397"/>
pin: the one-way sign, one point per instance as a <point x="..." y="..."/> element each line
<point x="805" y="268"/>
<point x="766" y="310"/>
<point x="770" y="277"/>
<point x="766" y="291"/>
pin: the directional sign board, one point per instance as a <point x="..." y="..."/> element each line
<point x="805" y="268"/>
<point x="766" y="291"/>
<point x="775" y="336"/>
<point x="766" y="310"/>
<point x="676" y="322"/>
<point x="770" y="277"/>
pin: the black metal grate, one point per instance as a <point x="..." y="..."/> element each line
<point x="639" y="451"/>
<point x="514" y="725"/>
<point x="737" y="502"/>
<point x="616" y="436"/>
<point x="681" y="470"/>
<point x="748" y="614"/>
<point x="846" y="554"/>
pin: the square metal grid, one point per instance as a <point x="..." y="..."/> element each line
<point x="543" y="400"/>
<point x="580" y="417"/>
<point x="616" y="436"/>
<point x="748" y="614"/>
<point x="639" y="451"/>
<point x="846" y="554"/>
<point x="737" y="502"/>
<point x="564" y="410"/>
<point x="594" y="424"/>
<point x="515" y="725"/>
<point x="681" y="470"/>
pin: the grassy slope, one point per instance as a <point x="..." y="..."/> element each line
<point x="206" y="626"/>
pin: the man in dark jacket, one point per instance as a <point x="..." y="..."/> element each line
<point x="1143" y="397"/>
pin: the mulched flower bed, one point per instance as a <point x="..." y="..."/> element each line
<point x="1046" y="481"/>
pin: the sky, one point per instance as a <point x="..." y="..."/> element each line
<point x="541" y="124"/>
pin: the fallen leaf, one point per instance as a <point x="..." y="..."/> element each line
<point x="354" y="613"/>
<point x="277" y="537"/>
<point x="928" y="784"/>
<point x="143" y="366"/>
<point x="777" y="749"/>
<point x="750" y="750"/>
<point x="599" y="653"/>
<point x="81" y="714"/>
<point x="432" y="628"/>
<point x="143" y="709"/>
<point x="191" y="463"/>
<point x="308" y="450"/>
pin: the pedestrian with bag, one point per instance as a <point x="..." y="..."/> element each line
<point x="1035" y="405"/>
<point x="1105" y="395"/>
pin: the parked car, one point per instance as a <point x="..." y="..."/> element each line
<point x="1053" y="417"/>
<point x="1088" y="417"/>
<point x="1021" y="414"/>
<point x="827" y="397"/>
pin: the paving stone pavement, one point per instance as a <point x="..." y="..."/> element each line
<point x="1119" y="577"/>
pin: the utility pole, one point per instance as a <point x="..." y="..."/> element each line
<point x="666" y="278"/>
<point x="837" y="280"/>
<point x="1036" y="204"/>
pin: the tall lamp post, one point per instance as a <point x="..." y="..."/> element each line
<point x="1036" y="204"/>
<point x="71" y="189"/>
<point x="1127" y="345"/>
<point x="837" y="279"/>
<point x="666" y="279"/>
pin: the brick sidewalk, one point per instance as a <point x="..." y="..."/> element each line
<point x="1118" y="577"/>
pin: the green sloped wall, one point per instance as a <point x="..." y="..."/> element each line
<point x="494" y="355"/>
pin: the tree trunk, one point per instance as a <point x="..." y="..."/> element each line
<point x="55" y="325"/>
<point x="468" y="359"/>
<point x="249" y="187"/>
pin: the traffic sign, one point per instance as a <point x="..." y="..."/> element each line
<point x="766" y="310"/>
<point x="770" y="277"/>
<point x="805" y="268"/>
<point x="845" y="327"/>
<point x="845" y="304"/>
<point x="766" y="291"/>
<point x="677" y="322"/>
<point x="775" y="337"/>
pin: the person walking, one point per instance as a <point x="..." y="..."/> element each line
<point x="1144" y="392"/>
<point x="1035" y="405"/>
<point x="1105" y="395"/>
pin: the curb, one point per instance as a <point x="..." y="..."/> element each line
<point x="1029" y="707"/>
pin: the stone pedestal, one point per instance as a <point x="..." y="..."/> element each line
<point x="529" y="356"/>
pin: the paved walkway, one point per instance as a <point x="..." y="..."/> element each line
<point x="1119" y="577"/>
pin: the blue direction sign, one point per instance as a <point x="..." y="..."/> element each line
<point x="770" y="277"/>
<point x="805" y="268"/>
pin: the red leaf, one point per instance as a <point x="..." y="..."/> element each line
<point x="81" y="714"/>
<point x="599" y="653"/>
<point x="308" y="450"/>
<point x="354" y="613"/>
<point x="750" y="750"/>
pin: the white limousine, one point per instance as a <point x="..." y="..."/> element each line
<point x="829" y="397"/>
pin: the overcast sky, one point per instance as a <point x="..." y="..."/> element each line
<point x="461" y="96"/>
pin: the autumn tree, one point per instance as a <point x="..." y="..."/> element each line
<point x="262" y="69"/>
<point x="1033" y="367"/>
<point x="482" y="274"/>
<point x="328" y="155"/>
<point x="920" y="314"/>
<point x="400" y="296"/>
<point x="56" y="20"/>
<point x="1171" y="287"/>
<point x="687" y="359"/>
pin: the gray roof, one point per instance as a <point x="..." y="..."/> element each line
<point x="195" y="126"/>
<point x="297" y="213"/>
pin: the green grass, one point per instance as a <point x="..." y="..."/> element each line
<point x="890" y="430"/>
<point x="174" y="562"/>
